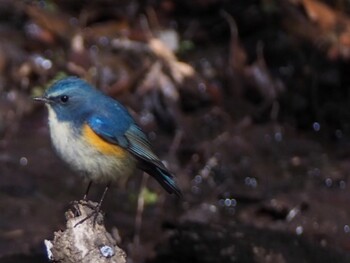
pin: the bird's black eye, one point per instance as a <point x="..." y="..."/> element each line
<point x="64" y="98"/>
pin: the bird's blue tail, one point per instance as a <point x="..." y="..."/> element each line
<point x="165" y="178"/>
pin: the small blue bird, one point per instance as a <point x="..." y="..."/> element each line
<point x="97" y="136"/>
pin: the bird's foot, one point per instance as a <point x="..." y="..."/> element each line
<point x="87" y="203"/>
<point x="90" y="210"/>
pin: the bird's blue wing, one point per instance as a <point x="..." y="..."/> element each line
<point x="109" y="130"/>
<point x="148" y="161"/>
<point x="132" y="138"/>
<point x="140" y="146"/>
<point x="128" y="136"/>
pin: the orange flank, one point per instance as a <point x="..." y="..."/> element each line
<point x="102" y="145"/>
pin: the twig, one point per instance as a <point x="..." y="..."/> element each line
<point x="139" y="211"/>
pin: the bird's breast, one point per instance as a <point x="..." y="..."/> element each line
<point x="87" y="152"/>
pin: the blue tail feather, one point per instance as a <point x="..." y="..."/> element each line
<point x="165" y="178"/>
<point x="167" y="181"/>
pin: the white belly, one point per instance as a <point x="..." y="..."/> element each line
<point x="82" y="157"/>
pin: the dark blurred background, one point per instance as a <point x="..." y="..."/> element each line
<point x="246" y="101"/>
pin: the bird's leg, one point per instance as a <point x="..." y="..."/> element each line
<point x="84" y="201"/>
<point x="87" y="190"/>
<point x="104" y="194"/>
<point x="96" y="209"/>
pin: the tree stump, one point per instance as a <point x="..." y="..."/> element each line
<point x="84" y="240"/>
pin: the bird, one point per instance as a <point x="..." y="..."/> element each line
<point x="97" y="137"/>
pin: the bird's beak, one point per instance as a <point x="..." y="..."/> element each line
<point x="41" y="99"/>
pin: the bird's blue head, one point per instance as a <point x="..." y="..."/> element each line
<point x="71" y="99"/>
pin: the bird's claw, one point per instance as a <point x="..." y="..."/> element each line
<point x="96" y="209"/>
